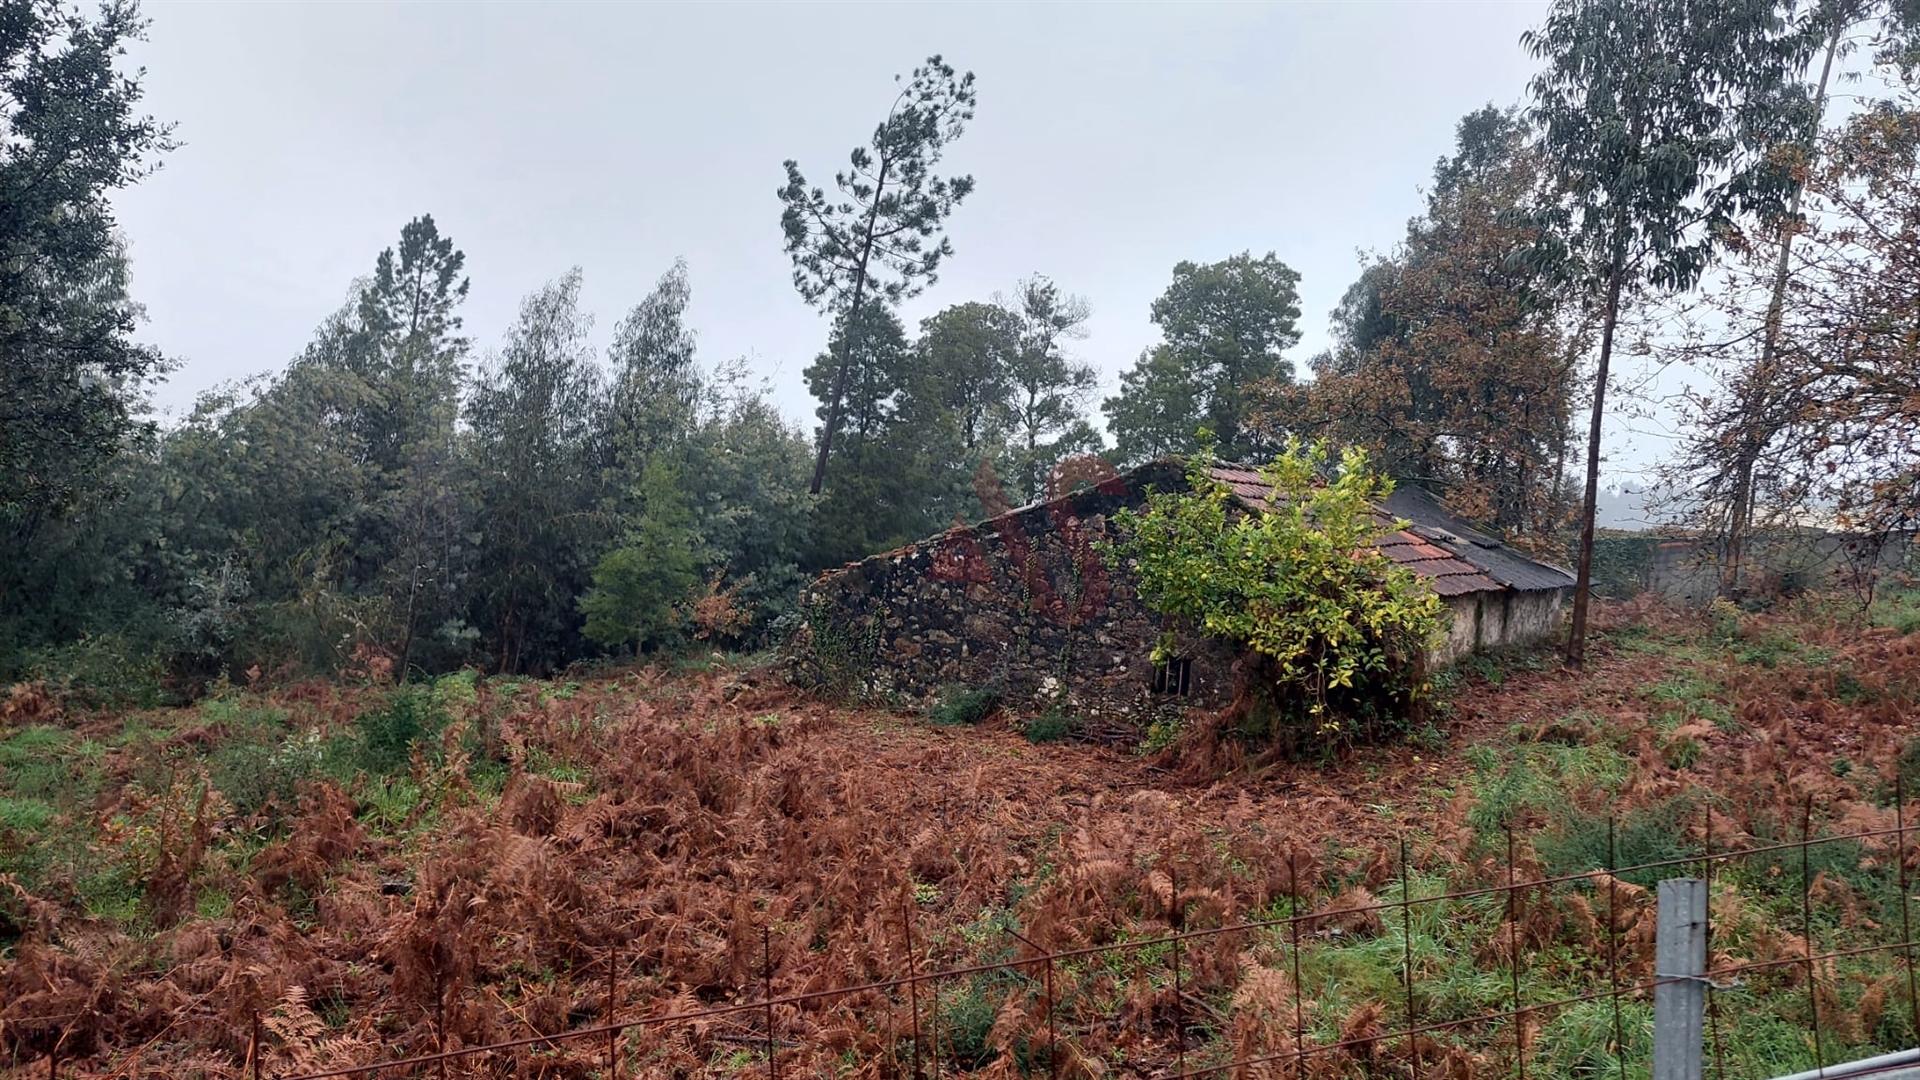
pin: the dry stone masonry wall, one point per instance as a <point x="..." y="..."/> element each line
<point x="1029" y="602"/>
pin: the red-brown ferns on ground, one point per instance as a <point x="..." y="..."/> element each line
<point x="722" y="827"/>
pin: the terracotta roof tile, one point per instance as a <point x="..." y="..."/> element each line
<point x="1448" y="571"/>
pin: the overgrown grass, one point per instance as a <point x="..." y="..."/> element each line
<point x="1896" y="607"/>
<point x="1529" y="782"/>
<point x="1557" y="782"/>
<point x="1687" y="696"/>
<point x="57" y="839"/>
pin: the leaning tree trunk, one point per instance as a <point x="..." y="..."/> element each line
<point x="1583" y="582"/>
<point x="846" y="336"/>
<point x="1753" y="435"/>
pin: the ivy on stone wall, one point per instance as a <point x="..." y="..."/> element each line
<point x="831" y="653"/>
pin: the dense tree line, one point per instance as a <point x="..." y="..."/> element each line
<point x="400" y="498"/>
<point x="396" y="500"/>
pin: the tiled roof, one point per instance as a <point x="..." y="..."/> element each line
<point x="1453" y="558"/>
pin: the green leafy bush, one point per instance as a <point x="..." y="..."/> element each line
<point x="387" y="735"/>
<point x="642" y="588"/>
<point x="101" y="671"/>
<point x="959" y="706"/>
<point x="1341" y="633"/>
<point x="1051" y="726"/>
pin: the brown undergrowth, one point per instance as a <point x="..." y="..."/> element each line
<point x="678" y="825"/>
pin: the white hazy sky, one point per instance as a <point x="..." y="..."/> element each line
<point x="1111" y="141"/>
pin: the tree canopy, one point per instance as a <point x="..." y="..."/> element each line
<point x="1225" y="327"/>
<point x="72" y="376"/>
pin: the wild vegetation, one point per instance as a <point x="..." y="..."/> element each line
<point x="336" y="855"/>
<point x="393" y="694"/>
<point x="399" y="497"/>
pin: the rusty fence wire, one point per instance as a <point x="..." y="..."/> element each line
<point x="756" y="1024"/>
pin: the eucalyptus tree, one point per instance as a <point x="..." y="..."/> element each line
<point x="1723" y="457"/>
<point x="534" y="419"/>
<point x="655" y="396"/>
<point x="1656" y="118"/>
<point x="1048" y="388"/>
<point x="880" y="238"/>
<point x="746" y="482"/>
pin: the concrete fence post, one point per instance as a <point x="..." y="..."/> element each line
<point x="1679" y="968"/>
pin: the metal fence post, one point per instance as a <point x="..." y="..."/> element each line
<point x="1679" y="968"/>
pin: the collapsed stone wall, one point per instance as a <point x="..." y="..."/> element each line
<point x="1029" y="602"/>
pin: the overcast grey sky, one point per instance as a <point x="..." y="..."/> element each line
<point x="1111" y="141"/>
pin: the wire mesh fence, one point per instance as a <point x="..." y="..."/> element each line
<point x="1250" y="996"/>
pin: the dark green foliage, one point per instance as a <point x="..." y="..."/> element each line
<point x="1153" y="415"/>
<point x="929" y="427"/>
<point x="641" y="589"/>
<point x="746" y="481"/>
<point x="1047" y="390"/>
<point x="105" y="670"/>
<point x="533" y="417"/>
<point x="332" y="517"/>
<point x="71" y="378"/>
<point x="1620" y="564"/>
<point x="962" y="706"/>
<point x="653" y="407"/>
<point x="874" y="502"/>
<point x="1052" y="725"/>
<point x="961" y="376"/>
<point x="1225" y="327"/>
<point x="1659" y="118"/>
<point x="388" y="734"/>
